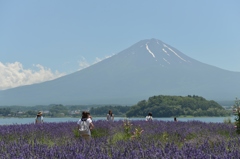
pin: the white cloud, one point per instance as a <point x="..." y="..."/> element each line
<point x="14" y="75"/>
<point x="109" y="56"/>
<point x="97" y="59"/>
<point x="82" y="63"/>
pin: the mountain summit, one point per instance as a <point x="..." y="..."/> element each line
<point x="147" y="68"/>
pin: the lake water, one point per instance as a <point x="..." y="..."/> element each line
<point x="10" y="121"/>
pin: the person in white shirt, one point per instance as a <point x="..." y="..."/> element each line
<point x="86" y="119"/>
<point x="110" y="116"/>
<point x="39" y="118"/>
<point x="149" y="117"/>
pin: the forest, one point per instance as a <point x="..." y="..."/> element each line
<point x="117" y="110"/>
<point x="169" y="106"/>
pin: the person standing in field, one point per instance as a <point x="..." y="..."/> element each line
<point x="39" y="118"/>
<point x="110" y="116"/>
<point x="85" y="125"/>
<point x="175" y="119"/>
<point x="149" y="117"/>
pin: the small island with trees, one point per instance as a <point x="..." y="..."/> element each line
<point x="169" y="106"/>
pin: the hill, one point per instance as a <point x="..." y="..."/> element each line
<point x="147" y="68"/>
<point x="169" y="106"/>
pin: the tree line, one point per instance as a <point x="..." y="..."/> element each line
<point x="52" y="110"/>
<point x="59" y="110"/>
<point x="117" y="110"/>
<point x="160" y="106"/>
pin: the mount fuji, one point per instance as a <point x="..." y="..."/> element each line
<point x="147" y="68"/>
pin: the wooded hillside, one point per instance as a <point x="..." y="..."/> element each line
<point x="169" y="106"/>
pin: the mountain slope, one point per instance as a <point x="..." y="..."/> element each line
<point x="149" y="67"/>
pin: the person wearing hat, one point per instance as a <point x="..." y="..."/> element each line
<point x="39" y="118"/>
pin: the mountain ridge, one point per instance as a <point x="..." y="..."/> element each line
<point x="147" y="68"/>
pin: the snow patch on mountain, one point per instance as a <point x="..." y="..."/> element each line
<point x="174" y="52"/>
<point x="150" y="51"/>
<point x="166" y="60"/>
<point x="165" y="51"/>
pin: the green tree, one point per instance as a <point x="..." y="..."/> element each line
<point x="103" y="110"/>
<point x="31" y="113"/>
<point x="56" y="110"/>
<point x="5" y="111"/>
<point x="236" y="108"/>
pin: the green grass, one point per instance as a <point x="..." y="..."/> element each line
<point x="119" y="136"/>
<point x="99" y="132"/>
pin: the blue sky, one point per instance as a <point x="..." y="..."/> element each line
<point x="43" y="40"/>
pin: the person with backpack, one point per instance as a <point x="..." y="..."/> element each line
<point x="85" y="125"/>
<point x="110" y="116"/>
<point x="39" y="118"/>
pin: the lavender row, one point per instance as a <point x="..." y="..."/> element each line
<point x="159" y="139"/>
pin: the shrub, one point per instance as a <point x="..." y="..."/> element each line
<point x="237" y="114"/>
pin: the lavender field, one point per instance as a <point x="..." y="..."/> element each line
<point x="121" y="140"/>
